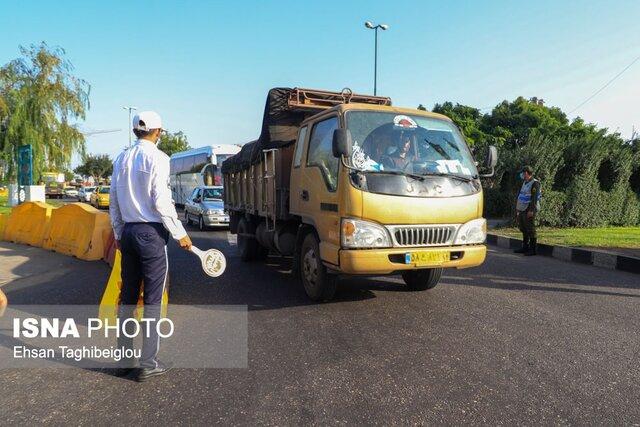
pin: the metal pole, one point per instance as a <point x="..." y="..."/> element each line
<point x="375" y="65"/>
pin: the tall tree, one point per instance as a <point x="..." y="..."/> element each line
<point x="40" y="99"/>
<point x="173" y="142"/>
<point x="98" y="166"/>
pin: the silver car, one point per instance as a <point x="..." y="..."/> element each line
<point x="206" y="208"/>
<point x="84" y="194"/>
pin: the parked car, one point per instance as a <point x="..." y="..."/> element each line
<point x="84" y="194"/>
<point x="71" y="192"/>
<point x="100" y="197"/>
<point x="206" y="208"/>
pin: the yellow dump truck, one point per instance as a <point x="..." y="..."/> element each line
<point x="350" y="185"/>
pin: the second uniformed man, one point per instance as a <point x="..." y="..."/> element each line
<point x="527" y="207"/>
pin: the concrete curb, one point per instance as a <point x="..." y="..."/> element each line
<point x="578" y="255"/>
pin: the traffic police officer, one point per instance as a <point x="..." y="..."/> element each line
<point x="143" y="217"/>
<point x="527" y="206"/>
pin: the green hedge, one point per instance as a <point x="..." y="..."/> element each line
<point x="577" y="198"/>
<point x="553" y="209"/>
<point x="498" y="203"/>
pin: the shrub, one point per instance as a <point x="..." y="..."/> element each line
<point x="553" y="210"/>
<point x="498" y="203"/>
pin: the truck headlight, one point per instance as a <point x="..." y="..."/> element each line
<point x="474" y="231"/>
<point x="356" y="233"/>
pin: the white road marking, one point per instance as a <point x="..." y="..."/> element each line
<point x="232" y="239"/>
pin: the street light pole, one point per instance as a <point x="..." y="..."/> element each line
<point x="129" y="126"/>
<point x="384" y="27"/>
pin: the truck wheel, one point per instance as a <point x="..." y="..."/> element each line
<point x="318" y="283"/>
<point x="247" y="245"/>
<point x="421" y="280"/>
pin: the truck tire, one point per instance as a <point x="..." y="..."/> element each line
<point x="421" y="280"/>
<point x="318" y="283"/>
<point x="247" y="245"/>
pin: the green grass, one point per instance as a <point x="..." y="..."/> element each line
<point x="4" y="204"/>
<point x="4" y="208"/>
<point x="604" y="237"/>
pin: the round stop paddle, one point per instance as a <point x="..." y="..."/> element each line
<point x="213" y="261"/>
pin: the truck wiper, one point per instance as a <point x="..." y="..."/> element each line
<point x="450" y="175"/>
<point x="410" y="175"/>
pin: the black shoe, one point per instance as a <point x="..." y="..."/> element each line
<point x="144" y="374"/>
<point x="122" y="372"/>
<point x="532" y="249"/>
<point x="524" y="248"/>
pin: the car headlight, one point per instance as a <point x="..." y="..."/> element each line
<point x="214" y="212"/>
<point x="356" y="233"/>
<point x="474" y="231"/>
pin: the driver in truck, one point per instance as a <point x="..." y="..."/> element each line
<point x="399" y="158"/>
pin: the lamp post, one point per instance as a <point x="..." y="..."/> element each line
<point x="383" y="27"/>
<point x="130" y="109"/>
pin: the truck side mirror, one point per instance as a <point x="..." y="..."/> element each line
<point x="341" y="144"/>
<point x="491" y="161"/>
<point x="492" y="157"/>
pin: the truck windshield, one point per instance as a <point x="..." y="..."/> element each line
<point x="410" y="144"/>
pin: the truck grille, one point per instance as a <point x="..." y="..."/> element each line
<point x="423" y="235"/>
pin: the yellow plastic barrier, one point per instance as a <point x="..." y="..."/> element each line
<point x="28" y="223"/>
<point x="3" y="224"/>
<point x="77" y="229"/>
<point x="111" y="297"/>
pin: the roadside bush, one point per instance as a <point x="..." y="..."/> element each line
<point x="498" y="203"/>
<point x="590" y="177"/>
<point x="587" y="205"/>
<point x="629" y="213"/>
<point x="553" y="209"/>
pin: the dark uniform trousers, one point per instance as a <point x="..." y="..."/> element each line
<point x="527" y="226"/>
<point x="144" y="259"/>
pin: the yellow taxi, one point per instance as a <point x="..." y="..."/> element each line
<point x="100" y="197"/>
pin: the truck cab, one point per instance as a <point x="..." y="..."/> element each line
<point x="371" y="189"/>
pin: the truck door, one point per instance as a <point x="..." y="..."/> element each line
<point x="318" y="198"/>
<point x="296" y="174"/>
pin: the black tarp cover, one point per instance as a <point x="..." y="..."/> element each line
<point x="279" y="129"/>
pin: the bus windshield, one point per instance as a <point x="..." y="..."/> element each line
<point x="410" y="144"/>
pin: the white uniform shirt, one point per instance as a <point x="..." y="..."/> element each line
<point x="140" y="190"/>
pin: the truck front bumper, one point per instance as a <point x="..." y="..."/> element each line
<point x="392" y="260"/>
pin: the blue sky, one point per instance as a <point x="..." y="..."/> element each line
<point x="206" y="66"/>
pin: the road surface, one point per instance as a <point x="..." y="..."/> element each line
<point x="518" y="340"/>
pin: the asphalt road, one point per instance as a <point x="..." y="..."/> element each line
<point x="516" y="341"/>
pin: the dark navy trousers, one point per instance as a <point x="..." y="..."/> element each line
<point x="144" y="259"/>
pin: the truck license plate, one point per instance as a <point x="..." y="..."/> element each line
<point x="423" y="258"/>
